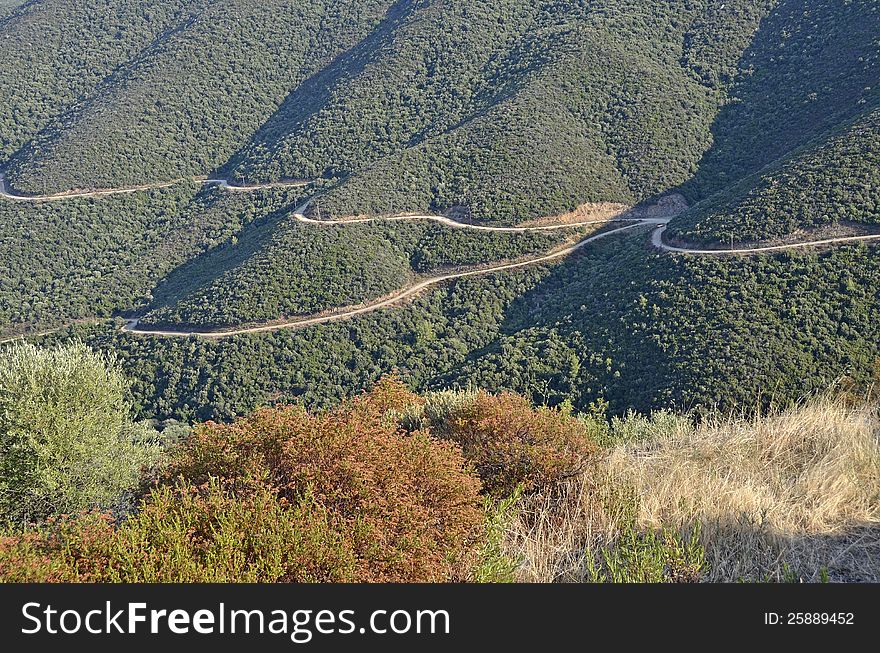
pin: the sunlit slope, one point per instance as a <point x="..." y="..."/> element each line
<point x="512" y="110"/>
<point x="196" y="95"/>
<point x="56" y="55"/>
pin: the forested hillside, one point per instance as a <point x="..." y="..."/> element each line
<point x="830" y="180"/>
<point x="58" y="55"/>
<point x="812" y="65"/>
<point x="763" y="113"/>
<point x="688" y="333"/>
<point x="513" y="109"/>
<point x="89" y="257"/>
<point x="797" y="145"/>
<point x="282" y="268"/>
<point x="185" y="96"/>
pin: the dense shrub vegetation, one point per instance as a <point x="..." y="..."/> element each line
<point x="811" y="65"/>
<point x="514" y="109"/>
<point x="834" y="180"/>
<point x="280" y="270"/>
<point x="284" y="268"/>
<point x="86" y="258"/>
<point x="186" y="94"/>
<point x="58" y="55"/>
<point x="685" y="332"/>
<point x="282" y="496"/>
<point x="67" y="442"/>
<point x="511" y="444"/>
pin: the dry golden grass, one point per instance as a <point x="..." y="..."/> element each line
<point x="583" y="213"/>
<point x="792" y="495"/>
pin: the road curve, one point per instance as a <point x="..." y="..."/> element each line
<point x="659" y="243"/>
<point x="657" y="238"/>
<point x="38" y="334"/>
<point x="449" y="222"/>
<point x="47" y="332"/>
<point x="127" y="190"/>
<point x="660" y="225"/>
<point x="349" y="313"/>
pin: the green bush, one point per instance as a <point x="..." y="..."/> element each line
<point x="494" y="564"/>
<point x="67" y="441"/>
<point x="637" y="555"/>
<point x="665" y="557"/>
<point x="635" y="428"/>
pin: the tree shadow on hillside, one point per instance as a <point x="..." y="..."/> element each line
<point x="573" y="310"/>
<point x="785" y="97"/>
<point x="212" y="264"/>
<point x="794" y="84"/>
<point x="315" y="91"/>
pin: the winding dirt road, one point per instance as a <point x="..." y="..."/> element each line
<point x="348" y="313"/>
<point x="660" y="225"/>
<point x="657" y="238"/>
<point x="449" y="222"/>
<point x="128" y="190"/>
<point x="659" y="243"/>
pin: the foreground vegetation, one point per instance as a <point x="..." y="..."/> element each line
<point x="452" y="486"/>
<point x="789" y="497"/>
<point x="67" y="440"/>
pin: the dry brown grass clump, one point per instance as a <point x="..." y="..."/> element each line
<point x="791" y="496"/>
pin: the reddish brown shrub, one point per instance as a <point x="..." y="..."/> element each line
<point x="509" y="442"/>
<point x="389" y="395"/>
<point x="185" y="535"/>
<point x="64" y="550"/>
<point x="284" y="496"/>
